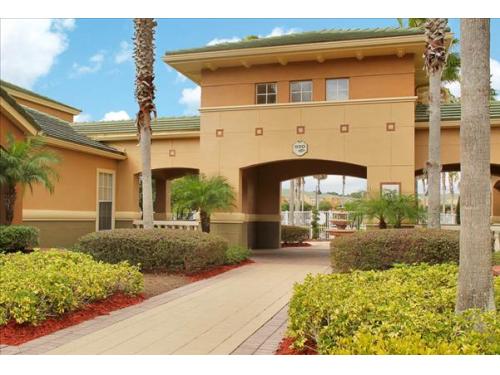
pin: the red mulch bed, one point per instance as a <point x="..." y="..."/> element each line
<point x="17" y="334"/>
<point x="303" y="244"/>
<point x="496" y="270"/>
<point x="217" y="270"/>
<point x="285" y="348"/>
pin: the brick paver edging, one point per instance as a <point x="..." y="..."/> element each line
<point x="63" y="336"/>
<point x="267" y="338"/>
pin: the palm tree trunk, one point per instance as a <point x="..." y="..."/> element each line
<point x="10" y="197"/>
<point x="343" y="185"/>
<point x="433" y="164"/>
<point x="475" y="280"/>
<point x="145" y="94"/>
<point x="147" y="183"/>
<point x="205" y="221"/>
<point x="451" y="182"/>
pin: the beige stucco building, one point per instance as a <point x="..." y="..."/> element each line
<point x="329" y="102"/>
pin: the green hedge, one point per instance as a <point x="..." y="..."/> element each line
<point x="47" y="283"/>
<point x="404" y="310"/>
<point x="236" y="254"/>
<point x="18" y="238"/>
<point x="380" y="249"/>
<point x="156" y="249"/>
<point x="294" y="234"/>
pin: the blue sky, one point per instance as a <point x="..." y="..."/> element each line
<point x="87" y="62"/>
<point x="91" y="67"/>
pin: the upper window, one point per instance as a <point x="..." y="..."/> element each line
<point x="266" y="93"/>
<point x="105" y="201"/>
<point x="337" y="89"/>
<point x="301" y="91"/>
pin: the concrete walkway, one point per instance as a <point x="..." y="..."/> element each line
<point x="214" y="316"/>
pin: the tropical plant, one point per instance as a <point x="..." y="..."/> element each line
<point x="145" y="95"/>
<point x="435" y="60"/>
<point x="25" y="163"/>
<point x="475" y="280"/>
<point x="315" y="224"/>
<point x="376" y="207"/>
<point x="402" y="207"/>
<point x="203" y="194"/>
<point x="356" y="211"/>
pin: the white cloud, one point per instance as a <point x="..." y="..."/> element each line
<point x="215" y="41"/>
<point x="124" y="54"/>
<point x="277" y="31"/>
<point x="191" y="98"/>
<point x="83" y="117"/>
<point x="180" y="78"/>
<point x="94" y="65"/>
<point x="116" y="115"/>
<point x="29" y="47"/>
<point x="454" y="87"/>
<point x="495" y="78"/>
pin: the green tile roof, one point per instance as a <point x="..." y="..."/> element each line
<point x="327" y="35"/>
<point x="9" y="99"/>
<point x="162" y="124"/>
<point x="451" y="111"/>
<point x="57" y="128"/>
<point x="23" y="90"/>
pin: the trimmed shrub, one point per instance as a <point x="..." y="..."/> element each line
<point x="172" y="250"/>
<point x="404" y="310"/>
<point x="47" y="283"/>
<point x="18" y="238"/>
<point x="380" y="249"/>
<point x="236" y="254"/>
<point x="496" y="258"/>
<point x="294" y="234"/>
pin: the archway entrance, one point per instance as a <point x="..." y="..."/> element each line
<point x="261" y="191"/>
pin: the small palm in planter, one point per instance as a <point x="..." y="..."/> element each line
<point x="203" y="194"/>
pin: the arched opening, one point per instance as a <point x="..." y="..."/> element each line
<point x="162" y="178"/>
<point x="260" y="193"/>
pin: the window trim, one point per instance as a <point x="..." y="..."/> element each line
<point x="266" y="95"/>
<point x="302" y="80"/>
<point x="348" y="89"/>
<point x="113" y="203"/>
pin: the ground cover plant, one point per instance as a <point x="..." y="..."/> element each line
<point x="404" y="310"/>
<point x="43" y="284"/>
<point x="156" y="250"/>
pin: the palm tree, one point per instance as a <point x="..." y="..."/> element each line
<point x="475" y="280"/>
<point x="318" y="178"/>
<point x="203" y="194"/>
<point x="443" y="187"/>
<point x="435" y="60"/>
<point x="452" y="179"/>
<point x="145" y="95"/>
<point x="24" y="163"/>
<point x="343" y="185"/>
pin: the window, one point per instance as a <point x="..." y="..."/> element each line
<point x="301" y="91"/>
<point x="105" y="200"/>
<point x="337" y="89"/>
<point x="266" y="93"/>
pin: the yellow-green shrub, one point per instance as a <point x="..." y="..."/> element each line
<point x="404" y="310"/>
<point x="294" y="234"/>
<point x="49" y="283"/>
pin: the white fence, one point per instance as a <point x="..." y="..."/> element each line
<point x="304" y="218"/>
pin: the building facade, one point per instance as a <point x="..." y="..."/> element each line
<point x="329" y="102"/>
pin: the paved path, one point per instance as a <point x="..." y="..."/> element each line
<point x="214" y="316"/>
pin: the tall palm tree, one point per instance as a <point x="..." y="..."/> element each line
<point x="435" y="60"/>
<point x="24" y="163"/>
<point x="452" y="179"/>
<point x="203" y="194"/>
<point x="145" y="95"/>
<point x="443" y="187"/>
<point x="318" y="178"/>
<point x="343" y="185"/>
<point x="475" y="280"/>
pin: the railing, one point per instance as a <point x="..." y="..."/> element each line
<point x="170" y="224"/>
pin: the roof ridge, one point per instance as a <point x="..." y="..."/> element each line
<point x="44" y="113"/>
<point x="30" y="92"/>
<point x="102" y="122"/>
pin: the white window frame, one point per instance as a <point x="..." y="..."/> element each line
<point x="336" y="79"/>
<point x="301" y="92"/>
<point x="113" y="203"/>
<point x="266" y="95"/>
